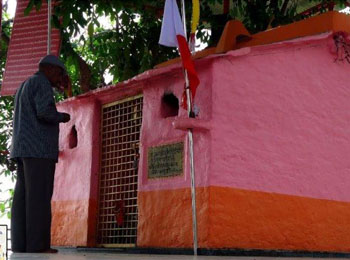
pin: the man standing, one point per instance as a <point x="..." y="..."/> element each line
<point x="35" y="149"/>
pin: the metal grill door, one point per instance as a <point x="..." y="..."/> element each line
<point x="120" y="132"/>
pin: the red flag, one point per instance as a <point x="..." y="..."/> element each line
<point x="119" y="212"/>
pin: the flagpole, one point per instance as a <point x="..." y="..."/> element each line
<point x="190" y="143"/>
<point x="49" y="27"/>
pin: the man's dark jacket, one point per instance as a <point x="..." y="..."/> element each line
<point x="36" y="120"/>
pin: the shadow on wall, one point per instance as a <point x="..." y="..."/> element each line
<point x="73" y="138"/>
<point x="170" y="105"/>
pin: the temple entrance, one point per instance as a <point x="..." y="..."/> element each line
<point x="118" y="212"/>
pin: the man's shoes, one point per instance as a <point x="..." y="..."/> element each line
<point x="46" y="251"/>
<point x="18" y="251"/>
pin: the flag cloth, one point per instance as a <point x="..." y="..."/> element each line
<point x="173" y="35"/>
<point x="195" y="16"/>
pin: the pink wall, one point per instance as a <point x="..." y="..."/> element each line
<point x="76" y="182"/>
<point x="76" y="178"/>
<point x="281" y="120"/>
<point x="157" y="130"/>
<point x="272" y="119"/>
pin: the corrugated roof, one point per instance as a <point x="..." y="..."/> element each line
<point x="28" y="44"/>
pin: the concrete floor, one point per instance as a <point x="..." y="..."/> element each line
<point x="114" y="256"/>
<point x="75" y="255"/>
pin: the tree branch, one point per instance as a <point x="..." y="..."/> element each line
<point x="84" y="69"/>
<point x="284" y="6"/>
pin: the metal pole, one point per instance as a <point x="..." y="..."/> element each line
<point x="184" y="17"/>
<point x="190" y="143"/>
<point x="49" y="27"/>
<point x="193" y="192"/>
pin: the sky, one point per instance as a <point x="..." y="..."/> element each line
<point x="12" y="7"/>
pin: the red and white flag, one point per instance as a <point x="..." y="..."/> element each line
<point x="173" y="35"/>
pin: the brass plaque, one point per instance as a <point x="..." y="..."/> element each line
<point x="165" y="160"/>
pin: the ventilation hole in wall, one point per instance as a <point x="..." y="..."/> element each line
<point x="73" y="138"/>
<point x="170" y="105"/>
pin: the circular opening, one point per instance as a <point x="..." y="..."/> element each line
<point x="170" y="105"/>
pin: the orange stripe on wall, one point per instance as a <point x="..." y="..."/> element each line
<point x="71" y="224"/>
<point x="165" y="218"/>
<point x="248" y="219"/>
<point x="233" y="218"/>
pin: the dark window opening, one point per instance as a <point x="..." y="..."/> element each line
<point x="73" y="138"/>
<point x="170" y="105"/>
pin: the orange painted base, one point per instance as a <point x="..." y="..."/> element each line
<point x="233" y="218"/>
<point x="71" y="225"/>
<point x="165" y="218"/>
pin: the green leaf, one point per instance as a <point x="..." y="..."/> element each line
<point x="56" y="21"/>
<point x="66" y="20"/>
<point x="91" y="30"/>
<point x="38" y="5"/>
<point x="29" y="7"/>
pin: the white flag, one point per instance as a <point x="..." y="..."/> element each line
<point x="172" y="25"/>
<point x="173" y="35"/>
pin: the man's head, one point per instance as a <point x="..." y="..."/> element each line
<point x="53" y="69"/>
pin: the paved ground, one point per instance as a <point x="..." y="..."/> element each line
<point x="110" y="256"/>
<point x="72" y="255"/>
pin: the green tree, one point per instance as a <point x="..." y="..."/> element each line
<point x="135" y="27"/>
<point x="7" y="167"/>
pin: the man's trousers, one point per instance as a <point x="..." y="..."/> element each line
<point x="31" y="208"/>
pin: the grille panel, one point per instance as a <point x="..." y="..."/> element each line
<point x="120" y="132"/>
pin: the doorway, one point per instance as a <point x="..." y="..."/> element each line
<point x="118" y="180"/>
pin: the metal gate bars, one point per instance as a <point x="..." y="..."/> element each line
<point x="120" y="132"/>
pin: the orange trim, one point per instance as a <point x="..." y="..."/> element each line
<point x="233" y="218"/>
<point x="165" y="218"/>
<point x="249" y="219"/>
<point x="328" y="22"/>
<point x="227" y="218"/>
<point x="234" y="32"/>
<point x="198" y="55"/>
<point x="70" y="223"/>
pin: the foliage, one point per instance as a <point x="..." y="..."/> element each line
<point x="7" y="167"/>
<point x="133" y="30"/>
<point x="135" y="27"/>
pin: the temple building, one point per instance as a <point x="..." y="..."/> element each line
<point x="271" y="149"/>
